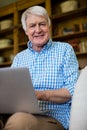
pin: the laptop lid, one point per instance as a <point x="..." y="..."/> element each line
<point x="16" y="91"/>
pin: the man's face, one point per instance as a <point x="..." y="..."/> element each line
<point x="38" y="30"/>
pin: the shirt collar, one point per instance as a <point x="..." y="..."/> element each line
<point x="29" y="44"/>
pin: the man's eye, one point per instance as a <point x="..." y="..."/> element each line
<point x="31" y="26"/>
<point x="43" y="24"/>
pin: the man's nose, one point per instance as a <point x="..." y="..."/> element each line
<point x="38" y="28"/>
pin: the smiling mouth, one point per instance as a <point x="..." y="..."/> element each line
<point x="39" y="36"/>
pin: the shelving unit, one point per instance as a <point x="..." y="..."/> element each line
<point x="68" y="27"/>
<point x="7" y="13"/>
<point x="60" y="21"/>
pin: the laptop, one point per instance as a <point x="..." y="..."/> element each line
<point x="16" y="91"/>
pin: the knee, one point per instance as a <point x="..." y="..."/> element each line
<point x="22" y="120"/>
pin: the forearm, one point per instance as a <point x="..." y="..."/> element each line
<point x="57" y="96"/>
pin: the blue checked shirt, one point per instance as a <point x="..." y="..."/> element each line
<point x="53" y="68"/>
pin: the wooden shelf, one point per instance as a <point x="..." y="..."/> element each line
<point x="71" y="36"/>
<point x="5" y="64"/>
<point x="69" y="15"/>
<point x="81" y="53"/>
<point x="6" y="30"/>
<point x="6" y="48"/>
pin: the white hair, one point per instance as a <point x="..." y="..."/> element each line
<point x="37" y="10"/>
